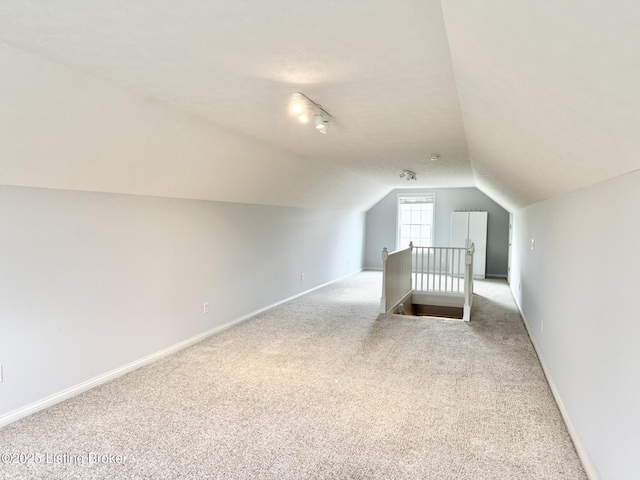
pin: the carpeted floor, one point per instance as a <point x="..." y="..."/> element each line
<point x="321" y="387"/>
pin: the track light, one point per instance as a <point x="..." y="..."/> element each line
<point x="409" y="174"/>
<point x="322" y="125"/>
<point x="303" y="107"/>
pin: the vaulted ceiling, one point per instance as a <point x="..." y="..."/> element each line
<point x="525" y="100"/>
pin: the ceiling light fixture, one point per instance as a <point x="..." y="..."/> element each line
<point x="297" y="107"/>
<point x="434" y="157"/>
<point x="409" y="174"/>
<point x="303" y="107"/>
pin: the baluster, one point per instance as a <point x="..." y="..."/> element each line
<point x="446" y="270"/>
<point x="428" y="257"/>
<point x="421" y="270"/>
<point x="459" y="272"/>
<point x="440" y="269"/>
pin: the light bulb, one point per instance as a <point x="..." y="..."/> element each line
<point x="304" y="117"/>
<point x="297" y="103"/>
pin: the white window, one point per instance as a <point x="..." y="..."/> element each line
<point x="415" y="220"/>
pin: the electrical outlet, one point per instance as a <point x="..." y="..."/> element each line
<point x="533" y="244"/>
<point x="302" y="277"/>
<point x="205" y="307"/>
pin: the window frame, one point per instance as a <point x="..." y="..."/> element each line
<point x="399" y="224"/>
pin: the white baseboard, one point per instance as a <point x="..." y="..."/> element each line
<point x="577" y="443"/>
<point x="495" y="275"/>
<point x="105" y="377"/>
<point x="51" y="400"/>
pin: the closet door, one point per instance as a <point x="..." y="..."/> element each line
<point x="478" y="236"/>
<point x="459" y="229"/>
<point x="468" y="228"/>
<point x="459" y="238"/>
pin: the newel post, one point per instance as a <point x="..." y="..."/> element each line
<point x="472" y="249"/>
<point x="468" y="282"/>
<point x="383" y="299"/>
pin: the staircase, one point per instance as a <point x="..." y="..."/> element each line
<point x="434" y="281"/>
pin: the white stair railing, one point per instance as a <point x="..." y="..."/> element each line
<point x="396" y="278"/>
<point x="441" y="271"/>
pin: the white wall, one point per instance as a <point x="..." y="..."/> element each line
<point x="90" y="282"/>
<point x="382" y="224"/>
<point x="579" y="293"/>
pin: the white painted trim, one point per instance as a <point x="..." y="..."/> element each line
<point x="402" y="300"/>
<point x="420" y="192"/>
<point x="589" y="469"/>
<point x="51" y="400"/>
<point x="440" y="299"/>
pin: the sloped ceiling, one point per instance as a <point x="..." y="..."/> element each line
<point x="190" y="99"/>
<point x="550" y="93"/>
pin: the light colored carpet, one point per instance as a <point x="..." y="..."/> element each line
<point x="321" y="388"/>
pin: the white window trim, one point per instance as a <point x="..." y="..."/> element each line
<point x="433" y="224"/>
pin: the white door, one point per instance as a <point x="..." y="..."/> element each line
<point x="478" y="236"/>
<point x="468" y="228"/>
<point x="459" y="238"/>
<point x="459" y="229"/>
